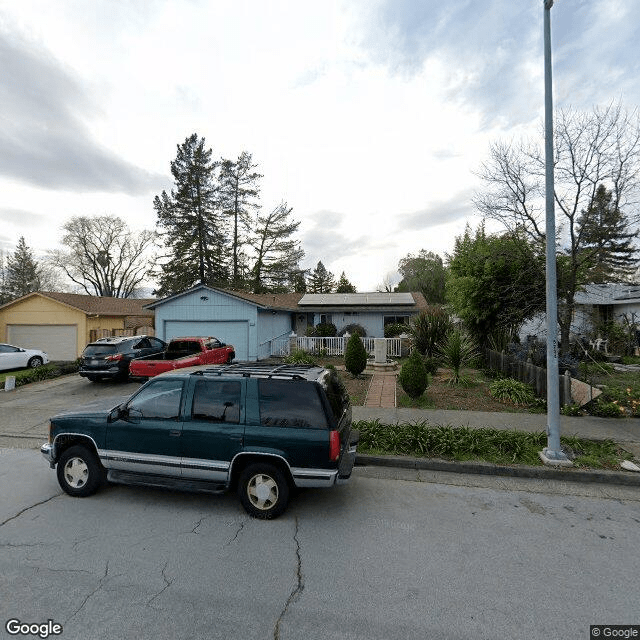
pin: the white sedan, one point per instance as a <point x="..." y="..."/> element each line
<point x="17" y="358"/>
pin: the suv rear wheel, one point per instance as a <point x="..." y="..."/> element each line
<point x="79" y="471"/>
<point x="263" y="491"/>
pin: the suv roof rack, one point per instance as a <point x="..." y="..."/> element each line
<point x="288" y="371"/>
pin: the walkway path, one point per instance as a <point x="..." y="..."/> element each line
<point x="382" y="390"/>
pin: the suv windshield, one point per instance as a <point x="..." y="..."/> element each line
<point x="99" y="349"/>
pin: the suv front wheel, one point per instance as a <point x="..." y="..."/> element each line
<point x="263" y="491"/>
<point x="79" y="471"/>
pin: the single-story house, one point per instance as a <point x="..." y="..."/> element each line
<point x="63" y="323"/>
<point x="252" y="321"/>
<point x="596" y="304"/>
<point x="600" y="303"/>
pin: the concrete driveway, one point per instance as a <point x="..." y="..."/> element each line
<point x="25" y="411"/>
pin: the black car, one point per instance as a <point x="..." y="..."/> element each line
<point x="109" y="358"/>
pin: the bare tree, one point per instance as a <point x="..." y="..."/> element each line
<point x="601" y="147"/>
<point x="104" y="257"/>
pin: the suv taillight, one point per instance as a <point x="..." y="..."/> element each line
<point x="334" y="445"/>
<point x="116" y="356"/>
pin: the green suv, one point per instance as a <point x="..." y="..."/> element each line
<point x="259" y="429"/>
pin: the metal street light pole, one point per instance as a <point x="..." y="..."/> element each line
<point x="552" y="453"/>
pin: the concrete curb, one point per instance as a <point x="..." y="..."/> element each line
<point x="522" y="471"/>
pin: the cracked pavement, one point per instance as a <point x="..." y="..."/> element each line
<point x="394" y="554"/>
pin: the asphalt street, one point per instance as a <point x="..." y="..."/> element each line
<point x="393" y="554"/>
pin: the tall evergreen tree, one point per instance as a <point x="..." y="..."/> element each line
<point x="321" y="280"/>
<point x="344" y="286"/>
<point x="4" y="293"/>
<point x="239" y="198"/>
<point x="22" y="275"/>
<point x="278" y="254"/>
<point x="190" y="222"/>
<point x="607" y="239"/>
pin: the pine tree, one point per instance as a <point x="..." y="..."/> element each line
<point x="4" y="293"/>
<point x="190" y="222"/>
<point x="278" y="254"/>
<point x="344" y="286"/>
<point x="606" y="236"/>
<point x="22" y="275"/>
<point x="321" y="280"/>
<point x="239" y="194"/>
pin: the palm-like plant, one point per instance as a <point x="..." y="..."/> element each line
<point x="457" y="350"/>
<point x="428" y="328"/>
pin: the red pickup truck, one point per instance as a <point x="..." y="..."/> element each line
<point x="182" y="352"/>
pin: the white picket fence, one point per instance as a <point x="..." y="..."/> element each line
<point x="330" y="346"/>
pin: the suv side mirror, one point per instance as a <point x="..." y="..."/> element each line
<point x="133" y="415"/>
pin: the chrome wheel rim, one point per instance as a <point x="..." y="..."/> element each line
<point x="76" y="473"/>
<point x="262" y="491"/>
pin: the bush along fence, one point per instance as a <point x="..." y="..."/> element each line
<point x="572" y="391"/>
<point x="330" y="346"/>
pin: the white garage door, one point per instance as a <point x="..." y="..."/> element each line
<point x="58" y="340"/>
<point x="235" y="332"/>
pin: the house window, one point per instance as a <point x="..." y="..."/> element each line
<point x="396" y="320"/>
<point x="326" y="318"/>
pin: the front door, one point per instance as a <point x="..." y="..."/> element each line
<point x="147" y="437"/>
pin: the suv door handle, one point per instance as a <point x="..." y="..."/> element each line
<point x="175" y="432"/>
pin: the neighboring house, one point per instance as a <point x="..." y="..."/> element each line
<point x="63" y="323"/>
<point x="250" y="322"/>
<point x="598" y="303"/>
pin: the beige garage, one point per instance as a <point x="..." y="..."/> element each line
<point x="59" y="341"/>
<point x="62" y="324"/>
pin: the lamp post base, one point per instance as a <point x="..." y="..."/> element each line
<point x="556" y="458"/>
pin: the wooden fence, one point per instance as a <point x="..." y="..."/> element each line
<point x="528" y="373"/>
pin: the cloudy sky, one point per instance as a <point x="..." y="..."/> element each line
<point x="369" y="117"/>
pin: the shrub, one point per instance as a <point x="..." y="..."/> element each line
<point x="431" y="365"/>
<point x="571" y="410"/>
<point x="510" y="390"/>
<point x="310" y="331"/>
<point x="353" y="328"/>
<point x="429" y="328"/>
<point x="457" y="350"/>
<point x="413" y="376"/>
<point x="326" y="330"/>
<point x="298" y="356"/>
<point x="604" y="409"/>
<point x="355" y="356"/>
<point x="394" y="329"/>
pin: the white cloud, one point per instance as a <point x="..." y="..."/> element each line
<point x="378" y="111"/>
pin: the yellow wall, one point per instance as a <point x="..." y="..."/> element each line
<point x="43" y="311"/>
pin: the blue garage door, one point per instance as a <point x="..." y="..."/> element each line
<point x="235" y="332"/>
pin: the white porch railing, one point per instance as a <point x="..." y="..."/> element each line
<point x="330" y="346"/>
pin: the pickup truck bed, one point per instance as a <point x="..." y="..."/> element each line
<point x="183" y="352"/>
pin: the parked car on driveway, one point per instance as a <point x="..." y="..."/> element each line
<point x="18" y="358"/>
<point x="109" y="358"/>
<point x="259" y="429"/>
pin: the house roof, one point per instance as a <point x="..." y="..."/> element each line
<point x="93" y="305"/>
<point x="356" y="299"/>
<point x="323" y="302"/>
<point x="608" y="294"/>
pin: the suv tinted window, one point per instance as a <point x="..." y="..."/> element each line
<point x="159" y="400"/>
<point x="99" y="349"/>
<point x="284" y="403"/>
<point x="216" y="401"/>
<point x="336" y="393"/>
